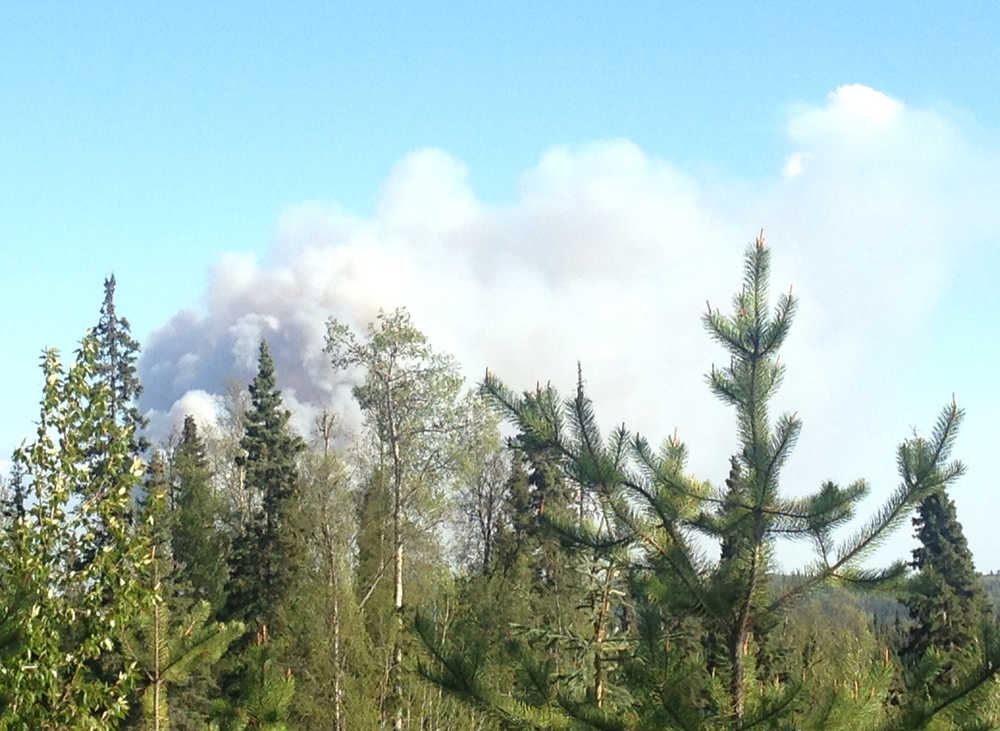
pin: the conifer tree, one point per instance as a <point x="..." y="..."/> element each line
<point x="262" y="565"/>
<point x="653" y="506"/>
<point x="15" y="494"/>
<point x="951" y="652"/>
<point x="197" y="543"/>
<point x="545" y="494"/>
<point x="264" y="692"/>
<point x="562" y="585"/>
<point x="947" y="603"/>
<point x="558" y="605"/>
<point x="116" y="366"/>
<point x="171" y="640"/>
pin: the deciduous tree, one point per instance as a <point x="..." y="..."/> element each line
<point x="410" y="400"/>
<point x="69" y="611"/>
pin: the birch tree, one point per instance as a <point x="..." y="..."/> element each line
<point x="410" y="398"/>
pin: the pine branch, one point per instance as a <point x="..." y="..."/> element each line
<point x="785" y="436"/>
<point x="780" y="325"/>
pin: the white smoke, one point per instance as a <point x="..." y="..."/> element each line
<point x="206" y="408"/>
<point x="607" y="256"/>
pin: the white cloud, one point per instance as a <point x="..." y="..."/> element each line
<point x="607" y="256"/>
<point x="850" y="109"/>
<point x="866" y="103"/>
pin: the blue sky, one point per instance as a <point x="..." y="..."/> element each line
<point x="207" y="155"/>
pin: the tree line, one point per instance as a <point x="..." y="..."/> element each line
<point x="424" y="572"/>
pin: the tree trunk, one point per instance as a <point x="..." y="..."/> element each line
<point x="157" y="678"/>
<point x="740" y="639"/>
<point x="397" y="650"/>
<point x="600" y="634"/>
<point x="737" y="660"/>
<point x="338" y="681"/>
<point x="397" y="570"/>
<point x="488" y="543"/>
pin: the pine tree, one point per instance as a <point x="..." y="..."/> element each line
<point x="651" y="507"/>
<point x="198" y="544"/>
<point x="264" y="692"/>
<point x="171" y="641"/>
<point x="262" y="565"/>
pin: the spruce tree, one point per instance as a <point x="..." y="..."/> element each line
<point x="262" y="565"/>
<point x="542" y="501"/>
<point x="949" y="656"/>
<point x="198" y="544"/>
<point x="535" y="489"/>
<point x="14" y="494"/>
<point x="117" y="352"/>
<point x="948" y="604"/>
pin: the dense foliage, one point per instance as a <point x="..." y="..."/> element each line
<point x="422" y="572"/>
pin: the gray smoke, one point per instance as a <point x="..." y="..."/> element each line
<point x="607" y="256"/>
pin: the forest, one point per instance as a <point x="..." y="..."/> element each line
<point x="473" y="557"/>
